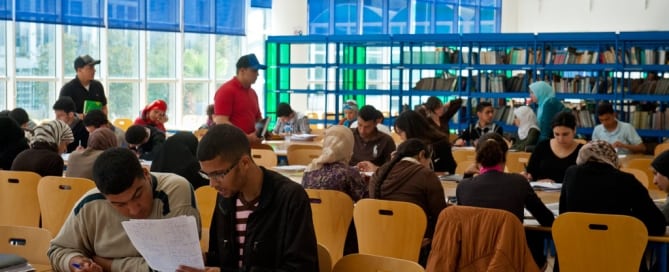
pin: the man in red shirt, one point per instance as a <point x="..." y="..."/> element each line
<point x="236" y="102"/>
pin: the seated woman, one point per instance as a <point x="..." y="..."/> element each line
<point x="660" y="166"/>
<point x="552" y="157"/>
<point x="153" y="115"/>
<point x="80" y="162"/>
<point x="286" y="116"/>
<point x="12" y="142"/>
<point x="331" y="170"/>
<point x="408" y="177"/>
<point x="350" y="113"/>
<point x="43" y="157"/>
<point x="210" y="118"/>
<point x="596" y="185"/>
<point x="411" y="124"/>
<point x="177" y="155"/>
<point x="528" y="131"/>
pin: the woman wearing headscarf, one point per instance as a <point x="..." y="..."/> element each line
<point x="43" y="157"/>
<point x="528" y="131"/>
<point x="350" y="110"/>
<point x="596" y="185"/>
<point x="548" y="106"/>
<point x="153" y="115"/>
<point x="177" y="155"/>
<point x="80" y="162"/>
<point x="12" y="142"/>
<point x="331" y="170"/>
<point x="660" y="166"/>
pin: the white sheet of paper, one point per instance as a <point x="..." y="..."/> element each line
<point x="166" y="243"/>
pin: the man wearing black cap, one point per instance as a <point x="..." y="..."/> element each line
<point x="83" y="87"/>
<point x="236" y="102"/>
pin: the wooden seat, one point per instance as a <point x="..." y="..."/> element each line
<point x="324" y="259"/>
<point x="638" y="174"/>
<point x="368" y="263"/>
<point x="205" y="197"/>
<point x="643" y="164"/>
<point x="123" y="123"/>
<point x="200" y="133"/>
<point x="299" y="154"/>
<point x="464" y="158"/>
<point x="264" y="157"/>
<point x="19" y="204"/>
<point x="332" y="212"/>
<point x="31" y="243"/>
<point x="57" y="196"/>
<point x="660" y="148"/>
<point x="517" y="161"/>
<point x="389" y="228"/>
<point x="599" y="242"/>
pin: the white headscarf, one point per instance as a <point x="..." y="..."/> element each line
<point x="527" y="121"/>
<point x="54" y="131"/>
<point x="337" y="147"/>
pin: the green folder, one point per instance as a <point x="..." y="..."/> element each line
<point x="90" y="105"/>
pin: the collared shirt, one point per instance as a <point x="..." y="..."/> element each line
<point x="239" y="104"/>
<point x="624" y="133"/>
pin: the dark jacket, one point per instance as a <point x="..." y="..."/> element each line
<point x="279" y="233"/>
<point x="599" y="188"/>
<point x="177" y="156"/>
<point x="12" y="142"/>
<point x="80" y="136"/>
<point x="156" y="140"/>
<point x="442" y="157"/>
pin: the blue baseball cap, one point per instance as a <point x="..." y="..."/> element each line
<point x="250" y="61"/>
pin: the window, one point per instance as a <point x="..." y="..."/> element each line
<point x="123" y="100"/>
<point x="77" y="41"/>
<point x="35" y="49"/>
<point x="36" y="97"/>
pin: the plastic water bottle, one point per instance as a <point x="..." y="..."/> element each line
<point x="287" y="130"/>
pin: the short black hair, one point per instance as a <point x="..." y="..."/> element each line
<point x="66" y="104"/>
<point x="564" y="119"/>
<point x="283" y="110"/>
<point x="224" y="140"/>
<point x="115" y="170"/>
<point x="604" y="107"/>
<point x="136" y="134"/>
<point x="368" y="113"/>
<point x="96" y="118"/>
<point x="20" y="116"/>
<point x="482" y="105"/>
<point x="491" y="150"/>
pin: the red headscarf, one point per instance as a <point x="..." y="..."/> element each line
<point x="144" y="118"/>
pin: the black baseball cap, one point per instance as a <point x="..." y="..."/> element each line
<point x="249" y="61"/>
<point x="84" y="60"/>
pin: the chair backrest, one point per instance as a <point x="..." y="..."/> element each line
<point x="660" y="148"/>
<point x="19" y="204"/>
<point x="599" y="242"/>
<point x="264" y="157"/>
<point x="332" y="212"/>
<point x="516" y="161"/>
<point x="463" y="165"/>
<point x="123" y="123"/>
<point x="638" y="174"/>
<point x="57" y="196"/>
<point x="205" y="196"/>
<point x="464" y="158"/>
<point x="396" y="138"/>
<point x="261" y="146"/>
<point x="299" y="154"/>
<point x="643" y="164"/>
<point x="31" y="243"/>
<point x="581" y="141"/>
<point x="200" y="133"/>
<point x="324" y="259"/>
<point x="367" y="263"/>
<point x="389" y="228"/>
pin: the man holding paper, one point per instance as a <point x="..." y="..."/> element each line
<point x="93" y="239"/>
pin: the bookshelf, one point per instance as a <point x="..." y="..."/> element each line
<point x="406" y="69"/>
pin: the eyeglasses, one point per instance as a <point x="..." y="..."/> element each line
<point x="220" y="174"/>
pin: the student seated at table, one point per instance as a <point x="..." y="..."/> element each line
<point x="372" y="147"/>
<point x="596" y="185"/>
<point x="350" y="110"/>
<point x="484" y="112"/>
<point x="144" y="140"/>
<point x="552" y="157"/>
<point x="286" y="116"/>
<point x="660" y="166"/>
<point x="528" y="130"/>
<point x="178" y="155"/>
<point x="80" y="162"/>
<point x="408" y="177"/>
<point x="621" y="135"/>
<point x="43" y="157"/>
<point x="12" y="142"/>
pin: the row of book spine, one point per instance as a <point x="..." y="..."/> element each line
<point x="657" y="120"/>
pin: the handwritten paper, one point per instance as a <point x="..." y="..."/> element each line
<point x="166" y="243"/>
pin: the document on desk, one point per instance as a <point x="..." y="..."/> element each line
<point x="166" y="243"/>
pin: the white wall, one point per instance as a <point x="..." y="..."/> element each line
<point x="584" y="15"/>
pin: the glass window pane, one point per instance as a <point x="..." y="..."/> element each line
<point x="3" y="94"/>
<point x="36" y="98"/>
<point x="228" y="50"/>
<point x="445" y="19"/>
<point x="398" y="17"/>
<point x="467" y="19"/>
<point x="423" y="17"/>
<point x="372" y="17"/>
<point x="195" y="100"/>
<point x="3" y="48"/>
<point x="123" y="100"/>
<point x="160" y="56"/>
<point x="35" y="49"/>
<point x="319" y="16"/>
<point x="79" y="41"/>
<point x="346" y="17"/>
<point x="123" y="53"/>
<point x="196" y="55"/>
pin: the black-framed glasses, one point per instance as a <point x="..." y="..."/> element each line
<point x="219" y="174"/>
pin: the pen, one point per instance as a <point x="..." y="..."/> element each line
<point x="76" y="265"/>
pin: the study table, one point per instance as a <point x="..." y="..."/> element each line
<point x="280" y="147"/>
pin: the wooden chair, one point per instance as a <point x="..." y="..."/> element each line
<point x="599" y="242"/>
<point x="200" y="133"/>
<point x="396" y="138"/>
<point x="368" y="263"/>
<point x="57" y="196"/>
<point x="324" y="259"/>
<point x="581" y="141"/>
<point x="389" y="228"/>
<point x="299" y="154"/>
<point x="332" y="212"/>
<point x="123" y="123"/>
<point x="643" y="164"/>
<point x="638" y="174"/>
<point x="516" y="161"/>
<point x="19" y="204"/>
<point x="264" y="157"/>
<point x="464" y="158"/>
<point x="261" y="146"/>
<point x="660" y="148"/>
<point x="205" y="197"/>
<point x="31" y="243"/>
